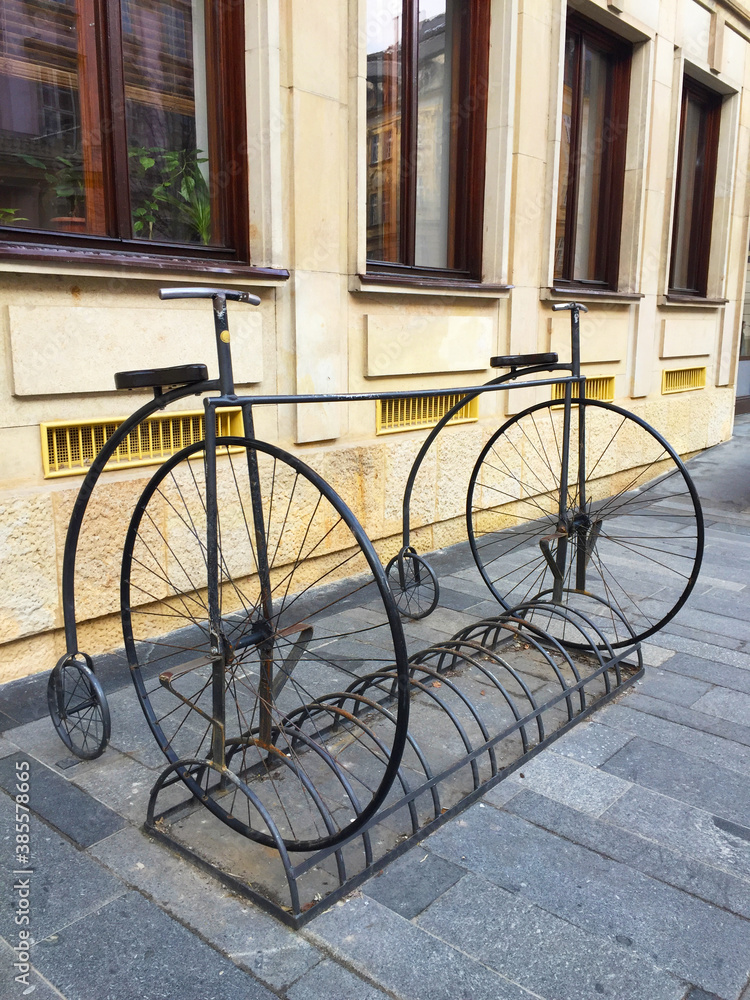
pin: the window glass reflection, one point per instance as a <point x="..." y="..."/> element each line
<point x="50" y="159"/>
<point x="384" y="25"/>
<point x="434" y="103"/>
<point x="167" y="120"/>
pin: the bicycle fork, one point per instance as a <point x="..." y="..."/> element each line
<point x="221" y="651"/>
<point x="576" y="526"/>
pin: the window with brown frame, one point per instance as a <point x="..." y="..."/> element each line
<point x="426" y="120"/>
<point x="122" y="129"/>
<point x="694" y="190"/>
<point x="596" y="84"/>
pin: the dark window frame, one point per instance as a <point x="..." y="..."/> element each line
<point x="469" y="121"/>
<point x="702" y="214"/>
<point x="102" y="85"/>
<point x="609" y="216"/>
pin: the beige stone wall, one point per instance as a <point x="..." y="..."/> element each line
<point x="64" y="330"/>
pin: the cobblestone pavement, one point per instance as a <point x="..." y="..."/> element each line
<point x="617" y="864"/>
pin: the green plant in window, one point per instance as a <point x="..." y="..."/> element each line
<point x="195" y="204"/>
<point x="65" y="178"/>
<point x="9" y="216"/>
<point x="168" y="183"/>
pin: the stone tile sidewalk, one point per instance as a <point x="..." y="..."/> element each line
<point x="616" y="864"/>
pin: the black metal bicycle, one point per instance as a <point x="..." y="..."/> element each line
<point x="561" y="497"/>
<point x="278" y="704"/>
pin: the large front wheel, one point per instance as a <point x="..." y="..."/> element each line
<point x="240" y="673"/>
<point x="619" y="539"/>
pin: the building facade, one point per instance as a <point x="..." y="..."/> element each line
<point x="408" y="186"/>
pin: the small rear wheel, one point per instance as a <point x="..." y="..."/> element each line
<point x="413" y="584"/>
<point x="78" y="706"/>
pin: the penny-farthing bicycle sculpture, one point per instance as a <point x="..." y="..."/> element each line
<point x="561" y="499"/>
<point x="280" y="708"/>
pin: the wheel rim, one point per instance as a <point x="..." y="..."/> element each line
<point x="78" y="708"/>
<point x="637" y="488"/>
<point x="280" y="648"/>
<point x="413" y="584"/>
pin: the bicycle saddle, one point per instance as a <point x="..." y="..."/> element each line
<point x="516" y="360"/>
<point x="157" y="378"/>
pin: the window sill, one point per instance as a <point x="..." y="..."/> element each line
<point x="407" y="285"/>
<point x="691" y="301"/>
<point x="14" y="254"/>
<point x="579" y="294"/>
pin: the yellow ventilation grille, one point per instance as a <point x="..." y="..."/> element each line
<point x="69" y="448"/>
<point x="597" y="387"/>
<point x="405" y="414"/>
<point x="682" y="379"/>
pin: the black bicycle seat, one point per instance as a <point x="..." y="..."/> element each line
<point x="156" y="378"/>
<point x="516" y="360"/>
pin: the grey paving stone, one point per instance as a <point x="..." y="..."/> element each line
<point x="680" y="630"/>
<point x="254" y="940"/>
<point x="64" y="884"/>
<point x="691" y="939"/>
<point x="448" y="621"/>
<point x="7" y="746"/>
<point x="707" y="882"/>
<point x="591" y="743"/>
<point x="698" y="994"/>
<point x="466" y="585"/>
<point x="677" y="737"/>
<point x="10" y="988"/>
<point x="718" y="626"/>
<point x="70" y="810"/>
<point x="328" y="981"/>
<point x="681" y="776"/>
<point x="25" y="699"/>
<point x="569" y="781"/>
<point x="540" y="951"/>
<point x="688" y="717"/>
<point x="119" y="782"/>
<point x="6" y="722"/>
<point x="672" y="686"/>
<point x="406" y="961"/>
<point x="488" y="608"/>
<point x="684" y="828"/>
<point x="457" y="600"/>
<point x="130" y="732"/>
<point x="710" y="670"/>
<point x="703" y="650"/>
<point x="723" y="602"/>
<point x="412" y="882"/>
<point x="130" y="948"/>
<point x="501" y="793"/>
<point x="40" y="740"/>
<point x="654" y="655"/>
<point x="734" y="706"/>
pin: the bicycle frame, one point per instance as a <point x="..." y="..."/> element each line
<point x="227" y="397"/>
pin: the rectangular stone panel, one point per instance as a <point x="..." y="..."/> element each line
<point x="68" y="350"/>
<point x="681" y="338"/>
<point x="604" y="335"/>
<point x="405" y="343"/>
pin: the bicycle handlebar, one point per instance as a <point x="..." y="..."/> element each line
<point x="231" y="294"/>
<point x="569" y="305"/>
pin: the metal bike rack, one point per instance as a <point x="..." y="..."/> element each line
<point x="483" y="703"/>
